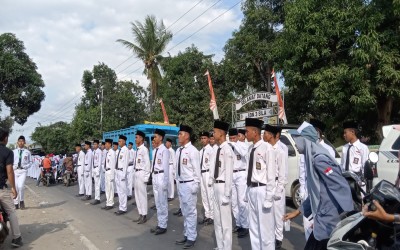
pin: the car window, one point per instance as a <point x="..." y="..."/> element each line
<point x="291" y="150"/>
<point x="396" y="144"/>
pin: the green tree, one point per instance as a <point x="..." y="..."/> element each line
<point x="20" y="83"/>
<point x="150" y="41"/>
<point x="53" y="138"/>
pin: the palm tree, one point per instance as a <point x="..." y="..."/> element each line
<point x="151" y="39"/>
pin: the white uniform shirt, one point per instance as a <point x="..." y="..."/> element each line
<point x="97" y="158"/>
<point x="132" y="154"/>
<point x="225" y="167"/>
<point x="122" y="159"/>
<point x="240" y="150"/>
<point x="81" y="160"/>
<point x="281" y="164"/>
<point x="207" y="154"/>
<point x="142" y="161"/>
<point x="327" y="147"/>
<point x="189" y="163"/>
<point x="264" y="170"/>
<point x="26" y="158"/>
<point x="110" y="161"/>
<point x="358" y="156"/>
<point x="88" y="160"/>
<point x="215" y="147"/>
<point x="161" y="161"/>
<point x="172" y="159"/>
<point x="103" y="158"/>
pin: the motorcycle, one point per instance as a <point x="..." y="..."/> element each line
<point x="358" y="232"/>
<point x="68" y="178"/>
<point x="4" y="231"/>
<point x="48" y="177"/>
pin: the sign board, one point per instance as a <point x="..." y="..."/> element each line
<point x="240" y="124"/>
<point x="258" y="96"/>
<point x="257" y="113"/>
<point x="273" y="120"/>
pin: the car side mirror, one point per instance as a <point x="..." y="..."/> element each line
<point x="373" y="157"/>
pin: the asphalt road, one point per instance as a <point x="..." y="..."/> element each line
<point x="56" y="219"/>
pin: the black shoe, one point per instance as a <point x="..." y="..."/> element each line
<point x="278" y="244"/>
<point x="79" y="195"/>
<point x="235" y="230"/>
<point x="179" y="211"/>
<point x="189" y="244"/>
<point x="153" y="207"/>
<point x="181" y="242"/>
<point x="108" y="207"/>
<point x="115" y="195"/>
<point x="129" y="198"/>
<point x="17" y="242"/>
<point x="209" y="222"/>
<point x="22" y="205"/>
<point x="95" y="202"/>
<point x="170" y="199"/>
<point x="160" y="231"/>
<point x="143" y="220"/>
<point x="153" y="230"/>
<point x="134" y="203"/>
<point x="16" y="206"/>
<point x="243" y="232"/>
<point x="203" y="221"/>
<point x="119" y="212"/>
<point x="138" y="219"/>
<point x="180" y="214"/>
<point x="102" y="192"/>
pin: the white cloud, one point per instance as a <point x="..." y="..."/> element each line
<point x="66" y="37"/>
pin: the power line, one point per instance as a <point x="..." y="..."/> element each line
<point x="184" y="14"/>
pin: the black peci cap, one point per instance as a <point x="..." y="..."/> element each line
<point x="205" y="133"/>
<point x="96" y="141"/>
<point x="115" y="143"/>
<point x="350" y="124"/>
<point x="140" y="133"/>
<point x="109" y="141"/>
<point x="233" y="131"/>
<point x="159" y="132"/>
<point x="169" y="139"/>
<point x="242" y="131"/>
<point x="21" y="137"/>
<point x="88" y="143"/>
<point x="252" y="122"/>
<point x="221" y="125"/>
<point x="130" y="143"/>
<point x="185" y="128"/>
<point x="123" y="137"/>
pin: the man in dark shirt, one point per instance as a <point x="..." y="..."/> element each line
<point x="6" y="200"/>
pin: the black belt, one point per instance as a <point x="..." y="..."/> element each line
<point x="257" y="184"/>
<point x="120" y="169"/>
<point x="185" y="181"/>
<point x="20" y="168"/>
<point x="276" y="178"/>
<point x="108" y="169"/>
<point x="238" y="170"/>
<point x="158" y="172"/>
<point x="218" y="181"/>
<point x="203" y="171"/>
<point x="95" y="166"/>
<point x="138" y="170"/>
<point x="130" y="165"/>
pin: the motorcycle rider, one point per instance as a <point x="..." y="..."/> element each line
<point x="46" y="166"/>
<point x="69" y="167"/>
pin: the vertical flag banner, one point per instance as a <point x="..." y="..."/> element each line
<point x="281" y="113"/>
<point x="164" y="112"/>
<point x="213" y="102"/>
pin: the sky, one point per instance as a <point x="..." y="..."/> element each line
<point x="66" y="37"/>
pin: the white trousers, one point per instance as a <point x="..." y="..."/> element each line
<point x="262" y="221"/>
<point x="130" y="175"/>
<point x="141" y="193"/>
<point x="88" y="182"/>
<point x="189" y="211"/>
<point x="160" y="191"/>
<point x="207" y="195"/>
<point x="20" y="177"/>
<point x="102" y="180"/>
<point x="239" y="207"/>
<point x="279" y="211"/>
<point x="120" y="180"/>
<point x="171" y="186"/>
<point x="81" y="180"/>
<point x="222" y="219"/>
<point x="96" y="176"/>
<point x="109" y="187"/>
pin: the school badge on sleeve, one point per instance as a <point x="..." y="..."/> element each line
<point x="328" y="171"/>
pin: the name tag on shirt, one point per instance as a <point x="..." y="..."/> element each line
<point x="238" y="157"/>
<point x="184" y="161"/>
<point x="120" y="157"/>
<point x="206" y="160"/>
<point x="159" y="161"/>
<point x="258" y="166"/>
<point x="138" y="161"/>
<point x="355" y="161"/>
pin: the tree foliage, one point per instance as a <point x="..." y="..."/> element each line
<point x="54" y="138"/>
<point x="20" y="83"/>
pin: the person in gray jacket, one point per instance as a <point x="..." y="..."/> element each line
<point x="329" y="194"/>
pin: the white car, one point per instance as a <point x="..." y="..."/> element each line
<point x="388" y="163"/>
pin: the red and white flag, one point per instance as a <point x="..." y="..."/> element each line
<point x="213" y="102"/>
<point x="281" y="113"/>
<point x="166" y="121"/>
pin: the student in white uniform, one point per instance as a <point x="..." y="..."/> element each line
<point x="88" y="166"/>
<point x="109" y="167"/>
<point x="212" y="141"/>
<point x="131" y="171"/>
<point x="172" y="160"/>
<point x="142" y="174"/>
<point x="97" y="161"/>
<point x="188" y="175"/>
<point x="160" y="172"/>
<point x="121" y="166"/>
<point x="22" y="162"/>
<point x="221" y="179"/>
<point x="80" y="165"/>
<point x="261" y="188"/>
<point x="320" y="127"/>
<point x="103" y="170"/>
<point x="207" y="157"/>
<point x="115" y="148"/>
<point x="271" y="135"/>
<point x="239" y="186"/>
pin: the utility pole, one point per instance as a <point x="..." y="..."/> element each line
<point x="101" y="112"/>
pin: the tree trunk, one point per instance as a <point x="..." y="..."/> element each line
<point x="384" y="106"/>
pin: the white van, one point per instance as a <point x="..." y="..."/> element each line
<point x="388" y="163"/>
